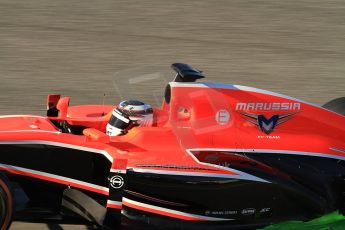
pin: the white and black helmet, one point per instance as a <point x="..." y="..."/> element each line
<point x="128" y="114"/>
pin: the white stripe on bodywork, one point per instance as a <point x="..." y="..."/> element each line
<point x="337" y="150"/>
<point x="181" y="173"/>
<point x="202" y="85"/>
<point x="206" y="218"/>
<point x="53" y="176"/>
<point x="123" y="171"/>
<point x="215" y="85"/>
<point x="287" y="152"/>
<point x="114" y="202"/>
<point x="59" y="144"/>
<point x="240" y="176"/>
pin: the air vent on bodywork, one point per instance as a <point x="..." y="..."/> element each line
<point x="230" y="159"/>
<point x="184" y="73"/>
<point x="167" y="94"/>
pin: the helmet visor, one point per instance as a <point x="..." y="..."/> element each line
<point x="119" y="123"/>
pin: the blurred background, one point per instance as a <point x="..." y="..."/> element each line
<point x="77" y="48"/>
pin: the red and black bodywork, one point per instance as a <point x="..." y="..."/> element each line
<point x="217" y="156"/>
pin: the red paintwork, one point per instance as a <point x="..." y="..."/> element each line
<point x="313" y="129"/>
<point x="29" y="123"/>
<point x="114" y="206"/>
<point x="189" y="122"/>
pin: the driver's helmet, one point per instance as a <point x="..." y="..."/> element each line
<point x="128" y="114"/>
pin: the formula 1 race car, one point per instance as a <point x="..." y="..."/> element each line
<point x="216" y="156"/>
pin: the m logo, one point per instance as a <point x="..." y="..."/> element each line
<point x="267" y="125"/>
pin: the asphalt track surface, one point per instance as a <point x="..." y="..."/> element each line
<point x="74" y="47"/>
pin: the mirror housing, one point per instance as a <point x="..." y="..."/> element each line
<point x="62" y="107"/>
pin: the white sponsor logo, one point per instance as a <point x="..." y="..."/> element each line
<point x="222" y="117"/>
<point x="116" y="182"/>
<point x="225" y="164"/>
<point x="222" y="213"/>
<point x="263" y="210"/>
<point x="248" y="211"/>
<point x="269" y="137"/>
<point x="262" y="106"/>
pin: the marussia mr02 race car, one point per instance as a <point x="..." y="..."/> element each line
<point x="217" y="156"/>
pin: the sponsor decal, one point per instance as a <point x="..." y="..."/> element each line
<point x="169" y="212"/>
<point x="116" y="182"/>
<point x="264" y="210"/>
<point x="269" y="137"/>
<point x="222" y="117"/>
<point x="264" y="106"/>
<point x="267" y="125"/>
<point x="221" y="212"/>
<point x="225" y="164"/>
<point x="248" y="211"/>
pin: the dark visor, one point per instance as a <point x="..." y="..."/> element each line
<point x="118" y="123"/>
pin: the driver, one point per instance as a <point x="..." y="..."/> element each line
<point x="128" y="114"/>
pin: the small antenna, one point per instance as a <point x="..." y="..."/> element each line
<point x="103" y="104"/>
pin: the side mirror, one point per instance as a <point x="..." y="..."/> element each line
<point x="52" y="101"/>
<point x="62" y="106"/>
